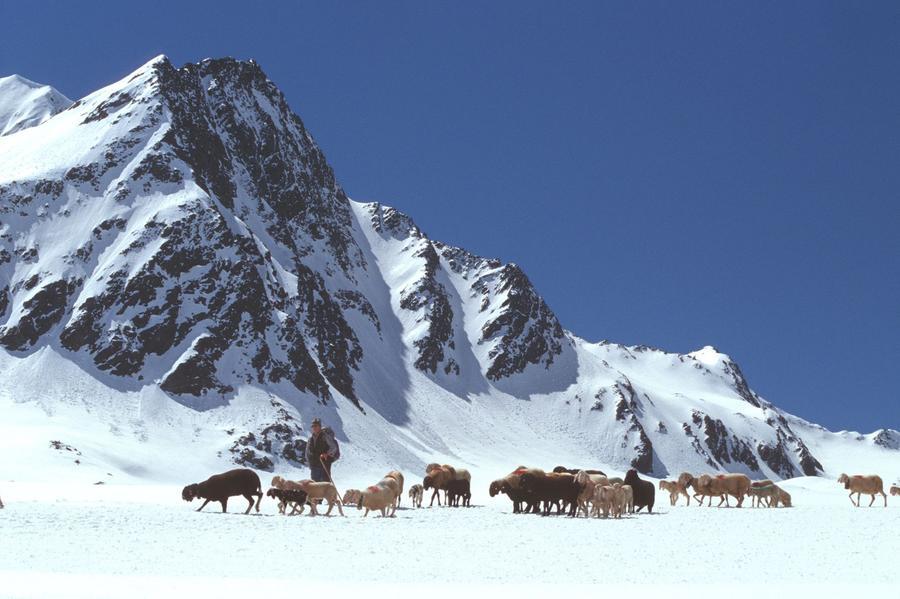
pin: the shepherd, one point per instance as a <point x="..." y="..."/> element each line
<point x="322" y="451"/>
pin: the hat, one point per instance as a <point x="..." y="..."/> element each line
<point x="316" y="421"/>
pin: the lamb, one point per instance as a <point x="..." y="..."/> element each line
<point x="351" y="497"/>
<point x="589" y="483"/>
<point x="285" y="497"/>
<point x="869" y="484"/>
<point x="644" y="491"/>
<point x="783" y="497"/>
<point x="626" y="497"/>
<point x="415" y="494"/>
<point x="398" y="476"/>
<point x="604" y="498"/>
<point x="675" y="489"/>
<point x="895" y="490"/>
<point x="220" y="487"/>
<point x="319" y="490"/>
<point x="458" y="490"/>
<point x="381" y="496"/>
<point x="437" y="477"/>
<point x="763" y="489"/>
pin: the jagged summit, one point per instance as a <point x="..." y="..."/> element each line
<point x="179" y="232"/>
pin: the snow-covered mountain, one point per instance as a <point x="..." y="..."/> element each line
<point x="179" y="268"/>
<point x="24" y="103"/>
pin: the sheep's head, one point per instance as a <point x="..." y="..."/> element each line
<point x="843" y="479"/>
<point x="631" y="476"/>
<point x="277" y="482"/>
<point x="272" y="493"/>
<point x="189" y="492"/>
<point x="528" y="481"/>
<point x="560" y="469"/>
<point x="495" y="488"/>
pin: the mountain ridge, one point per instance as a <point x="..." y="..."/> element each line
<point x="180" y="231"/>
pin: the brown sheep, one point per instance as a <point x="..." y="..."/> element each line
<point x="398" y="476"/>
<point x="701" y="486"/>
<point x="674" y="490"/>
<point x="437" y="477"/>
<point x="763" y="489"/>
<point x="512" y="487"/>
<point x="859" y="484"/>
<point x="895" y="490"/>
<point x="783" y="497"/>
<point x="351" y="497"/>
<point x="319" y="490"/>
<point x="735" y="485"/>
<point x="220" y="487"/>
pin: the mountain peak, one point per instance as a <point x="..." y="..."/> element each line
<point x="25" y="103"/>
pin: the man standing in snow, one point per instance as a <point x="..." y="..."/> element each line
<point x="321" y="452"/>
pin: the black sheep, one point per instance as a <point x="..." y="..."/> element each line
<point x="286" y="497"/>
<point x="551" y="489"/>
<point x="458" y="490"/>
<point x="220" y="487"/>
<point x="644" y="491"/>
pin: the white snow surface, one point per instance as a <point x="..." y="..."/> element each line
<point x="24" y="103"/>
<point x="145" y="537"/>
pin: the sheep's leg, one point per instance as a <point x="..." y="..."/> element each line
<point x="249" y="507"/>
<point x="873" y="500"/>
<point x="224" y="503"/>
<point x="885" y="498"/>
<point x="203" y="506"/>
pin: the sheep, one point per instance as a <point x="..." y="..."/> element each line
<point x="644" y="491"/>
<point x="319" y="490"/>
<point x="604" y="497"/>
<point x="398" y="476"/>
<point x="220" y="487"/>
<point x="458" y="490"/>
<point x="285" y="497"/>
<point x="588" y="484"/>
<point x="735" y="485"/>
<point x="415" y="494"/>
<point x="783" y="497"/>
<point x="437" y="477"/>
<point x="573" y="471"/>
<point x="672" y="487"/>
<point x="381" y="496"/>
<point x="626" y="497"/>
<point x="701" y="486"/>
<point x="869" y="484"/>
<point x="895" y="490"/>
<point x="351" y="497"/>
<point x="511" y="486"/>
<point x="763" y="489"/>
<point x="675" y="489"/>
<point x="553" y="489"/>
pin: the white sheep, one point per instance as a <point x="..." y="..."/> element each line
<point x="381" y="496"/>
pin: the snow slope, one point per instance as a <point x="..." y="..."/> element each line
<point x="24" y="103"/>
<point x="184" y="285"/>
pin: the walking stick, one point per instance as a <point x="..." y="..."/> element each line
<point x="339" y="501"/>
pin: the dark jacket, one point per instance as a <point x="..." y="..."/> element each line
<point x="325" y="443"/>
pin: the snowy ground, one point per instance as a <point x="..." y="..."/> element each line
<point x="98" y="540"/>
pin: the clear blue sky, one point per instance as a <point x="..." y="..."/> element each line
<point x="674" y="174"/>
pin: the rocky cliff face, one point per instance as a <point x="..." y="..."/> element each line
<point x="181" y="228"/>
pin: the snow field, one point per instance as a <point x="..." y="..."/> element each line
<point x="116" y="533"/>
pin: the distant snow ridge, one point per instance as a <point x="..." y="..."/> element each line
<point x="24" y="103"/>
<point x="180" y="231"/>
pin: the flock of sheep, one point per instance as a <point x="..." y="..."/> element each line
<point x="590" y="493"/>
